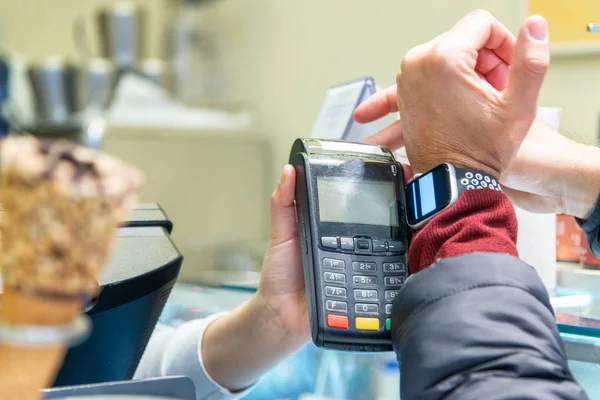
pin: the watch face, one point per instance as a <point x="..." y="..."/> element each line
<point x="428" y="194"/>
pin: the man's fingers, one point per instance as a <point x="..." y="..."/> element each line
<point x="283" y="212"/>
<point x="390" y="137"/>
<point x="498" y="77"/>
<point x="531" y="60"/>
<point x="376" y="106"/>
<point x="493" y="68"/>
<point x="480" y="29"/>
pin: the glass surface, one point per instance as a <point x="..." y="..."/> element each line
<point x="428" y="194"/>
<point x="357" y="202"/>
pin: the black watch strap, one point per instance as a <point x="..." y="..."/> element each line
<point x="471" y="179"/>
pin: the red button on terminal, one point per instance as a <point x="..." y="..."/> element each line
<point x="337" y="321"/>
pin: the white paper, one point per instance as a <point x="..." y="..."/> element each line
<point x="336" y="112"/>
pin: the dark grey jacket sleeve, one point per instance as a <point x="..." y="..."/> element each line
<point x="479" y="326"/>
<point x="591" y="227"/>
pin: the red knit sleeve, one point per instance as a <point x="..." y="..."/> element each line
<point x="480" y="220"/>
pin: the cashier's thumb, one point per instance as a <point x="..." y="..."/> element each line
<point x="283" y="211"/>
<point x="531" y="58"/>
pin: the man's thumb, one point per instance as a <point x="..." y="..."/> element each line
<point x="530" y="63"/>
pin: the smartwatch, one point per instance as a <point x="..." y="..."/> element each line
<point x="437" y="189"/>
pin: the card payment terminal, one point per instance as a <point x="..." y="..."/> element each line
<point x="350" y="211"/>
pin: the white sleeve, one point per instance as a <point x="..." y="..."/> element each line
<point x="177" y="351"/>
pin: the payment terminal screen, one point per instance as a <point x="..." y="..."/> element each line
<point x="357" y="202"/>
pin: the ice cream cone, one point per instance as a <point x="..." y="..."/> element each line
<point x="62" y="204"/>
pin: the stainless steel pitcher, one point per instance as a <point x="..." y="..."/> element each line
<point x="122" y="33"/>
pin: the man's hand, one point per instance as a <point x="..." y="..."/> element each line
<point x="550" y="174"/>
<point x="469" y="96"/>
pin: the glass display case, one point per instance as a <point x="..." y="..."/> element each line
<point x="323" y="374"/>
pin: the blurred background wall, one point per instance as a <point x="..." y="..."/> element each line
<point x="281" y="55"/>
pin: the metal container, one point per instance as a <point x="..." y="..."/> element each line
<point x="55" y="85"/>
<point x="122" y="33"/>
<point x="99" y="84"/>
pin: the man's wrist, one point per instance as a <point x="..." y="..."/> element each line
<point x="581" y="181"/>
<point x="457" y="160"/>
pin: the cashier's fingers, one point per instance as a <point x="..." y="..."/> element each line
<point x="283" y="212"/>
<point x="377" y="105"/>
<point x="390" y="136"/>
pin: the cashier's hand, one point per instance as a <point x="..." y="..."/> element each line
<point x="240" y="346"/>
<point x="282" y="279"/>
<point x="467" y="97"/>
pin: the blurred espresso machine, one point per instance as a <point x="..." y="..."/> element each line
<point x="68" y="97"/>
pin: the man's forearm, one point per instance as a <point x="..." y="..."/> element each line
<point x="238" y="348"/>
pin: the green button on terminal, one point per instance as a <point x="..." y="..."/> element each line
<point x="388" y="324"/>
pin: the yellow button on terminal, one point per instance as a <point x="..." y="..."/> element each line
<point x="367" y="324"/>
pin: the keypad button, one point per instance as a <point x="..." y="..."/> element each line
<point x="333" y="263"/>
<point x="479" y="176"/>
<point x="365" y="280"/>
<point x="367" y="324"/>
<point x="393" y="280"/>
<point x="390" y="295"/>
<point x="361" y="308"/>
<point x="340" y="306"/>
<point x="364" y="266"/>
<point x="362" y="246"/>
<point x="365" y="295"/>
<point x="333" y="277"/>
<point x="388" y="308"/>
<point x="394" y="267"/>
<point x="388" y="324"/>
<point x="333" y="291"/>
<point x="469" y="175"/>
<point x="337" y="321"/>
<point x="329" y="242"/>
<point x="396" y="247"/>
<point x="379" y="246"/>
<point x="346" y="243"/>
